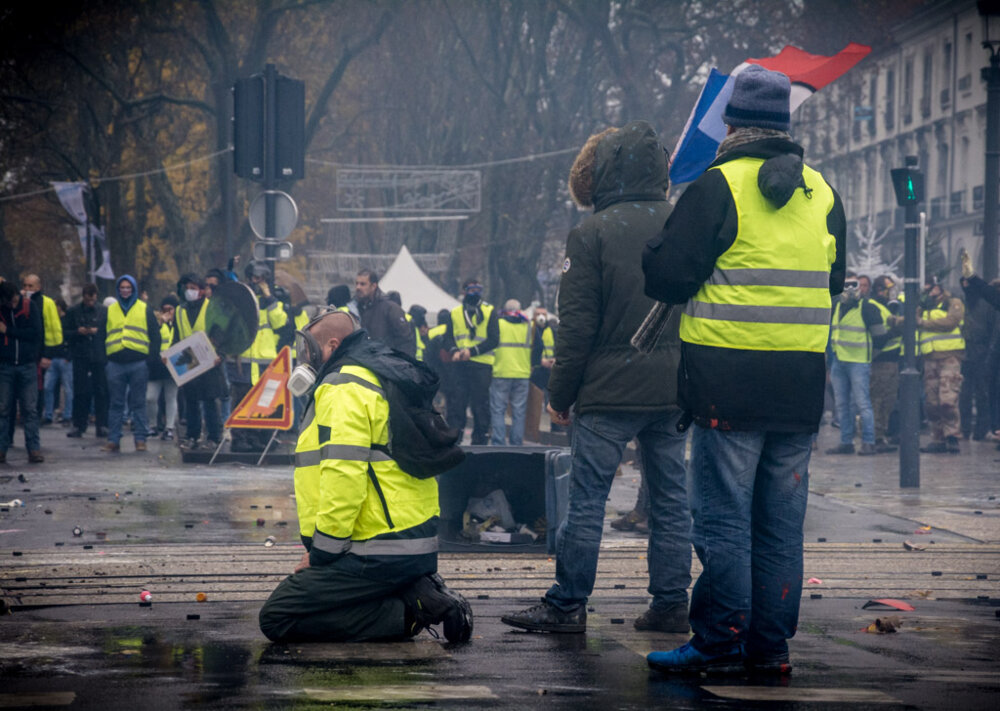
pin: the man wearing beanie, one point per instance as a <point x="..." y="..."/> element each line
<point x="753" y="250"/>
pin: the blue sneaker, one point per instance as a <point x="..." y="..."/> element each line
<point x="688" y="660"/>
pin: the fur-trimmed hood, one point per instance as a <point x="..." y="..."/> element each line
<point x="620" y="164"/>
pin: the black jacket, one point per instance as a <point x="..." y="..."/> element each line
<point x="84" y="347"/>
<point x="601" y="303"/>
<point x="732" y="388"/>
<point x="21" y="343"/>
<point x="385" y="321"/>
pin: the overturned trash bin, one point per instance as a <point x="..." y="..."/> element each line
<point x="504" y="499"/>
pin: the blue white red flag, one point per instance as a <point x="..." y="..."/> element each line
<point x="705" y="130"/>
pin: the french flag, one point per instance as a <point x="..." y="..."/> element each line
<point x="705" y="130"/>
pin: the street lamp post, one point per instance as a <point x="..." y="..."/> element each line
<point x="990" y="11"/>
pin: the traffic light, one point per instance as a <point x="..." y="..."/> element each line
<point x="290" y="129"/>
<point x="908" y="183"/>
<point x="248" y="128"/>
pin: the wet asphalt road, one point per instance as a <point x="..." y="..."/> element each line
<point x="81" y="655"/>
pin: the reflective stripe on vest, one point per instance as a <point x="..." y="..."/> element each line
<point x="894" y="344"/>
<point x="464" y="338"/>
<point x="262" y="351"/>
<point x="377" y="546"/>
<point x="166" y="335"/>
<point x="931" y="341"/>
<point x="770" y="291"/>
<point x="548" y="343"/>
<point x="512" y="357"/>
<point x="184" y="328"/>
<point x="127" y="331"/>
<point x="849" y="337"/>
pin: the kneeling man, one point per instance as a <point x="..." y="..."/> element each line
<point x="369" y="528"/>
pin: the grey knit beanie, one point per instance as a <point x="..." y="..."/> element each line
<point x="760" y="98"/>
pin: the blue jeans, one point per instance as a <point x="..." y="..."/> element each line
<point x="599" y="439"/>
<point x="852" y="391"/>
<point x="502" y="391"/>
<point x="60" y="373"/>
<point x="748" y="501"/>
<point x="131" y="377"/>
<point x="19" y="383"/>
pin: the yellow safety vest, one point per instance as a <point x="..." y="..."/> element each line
<point x="127" y="331"/>
<point x="770" y="291"/>
<point x="166" y="335"/>
<point x="264" y="347"/>
<point x="437" y="331"/>
<point x="931" y="341"/>
<point x="301" y="321"/>
<point x="513" y="354"/>
<point x="548" y="343"/>
<point x="352" y="497"/>
<point x="894" y="344"/>
<point x="184" y="327"/>
<point x="850" y="339"/>
<point x="466" y="339"/>
<point x="51" y="322"/>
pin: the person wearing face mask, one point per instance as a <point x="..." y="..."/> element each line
<point x="201" y="394"/>
<point x="472" y="334"/>
<point x="131" y="337"/>
<point x="543" y="357"/>
<point x="369" y="572"/>
<point x="857" y="331"/>
<point x="942" y="348"/>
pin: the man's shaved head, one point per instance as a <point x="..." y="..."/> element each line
<point x="331" y="330"/>
<point x="337" y="325"/>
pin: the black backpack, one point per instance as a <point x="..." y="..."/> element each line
<point x="420" y="441"/>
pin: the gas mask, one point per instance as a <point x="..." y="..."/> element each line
<point x="310" y="356"/>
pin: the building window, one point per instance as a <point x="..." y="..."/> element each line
<point x="946" y="64"/>
<point x="890" y="100"/>
<point x="957" y="200"/>
<point x="925" y="97"/>
<point x="908" y="91"/>
<point x="977" y="197"/>
<point x="872" y="94"/>
<point x="937" y="208"/>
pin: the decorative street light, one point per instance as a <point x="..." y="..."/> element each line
<point x="990" y="11"/>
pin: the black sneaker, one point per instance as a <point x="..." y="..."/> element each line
<point x="867" y="449"/>
<point x="432" y="602"/>
<point x="935" y="448"/>
<point x="951" y="445"/>
<point x="841" y="449"/>
<point x="548" y="618"/>
<point x="101" y="432"/>
<point x="773" y="664"/>
<point x="669" y="619"/>
<point x="75" y="434"/>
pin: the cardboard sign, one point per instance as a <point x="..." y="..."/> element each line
<point x="188" y="359"/>
<point x="268" y="405"/>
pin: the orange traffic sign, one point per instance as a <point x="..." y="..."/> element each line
<point x="268" y="405"/>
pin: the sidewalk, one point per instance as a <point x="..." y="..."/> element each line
<point x="78" y="638"/>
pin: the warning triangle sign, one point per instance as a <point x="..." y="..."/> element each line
<point x="268" y="405"/>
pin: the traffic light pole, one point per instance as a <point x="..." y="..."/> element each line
<point x="909" y="377"/>
<point x="270" y="163"/>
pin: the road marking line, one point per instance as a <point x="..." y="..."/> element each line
<point x="415" y="692"/>
<point x="798" y="693"/>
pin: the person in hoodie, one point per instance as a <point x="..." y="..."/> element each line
<point x="131" y="337"/>
<point x="618" y="393"/>
<point x="511" y="371"/>
<point x="21" y="339"/>
<point x="754" y="250"/>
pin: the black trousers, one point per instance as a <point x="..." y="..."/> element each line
<point x="470" y="389"/>
<point x="89" y="386"/>
<point x="975" y="389"/>
<point x="340" y="602"/>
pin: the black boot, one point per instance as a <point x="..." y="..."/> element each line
<point x="431" y="602"/>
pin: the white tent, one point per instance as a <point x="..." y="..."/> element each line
<point x="415" y="287"/>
